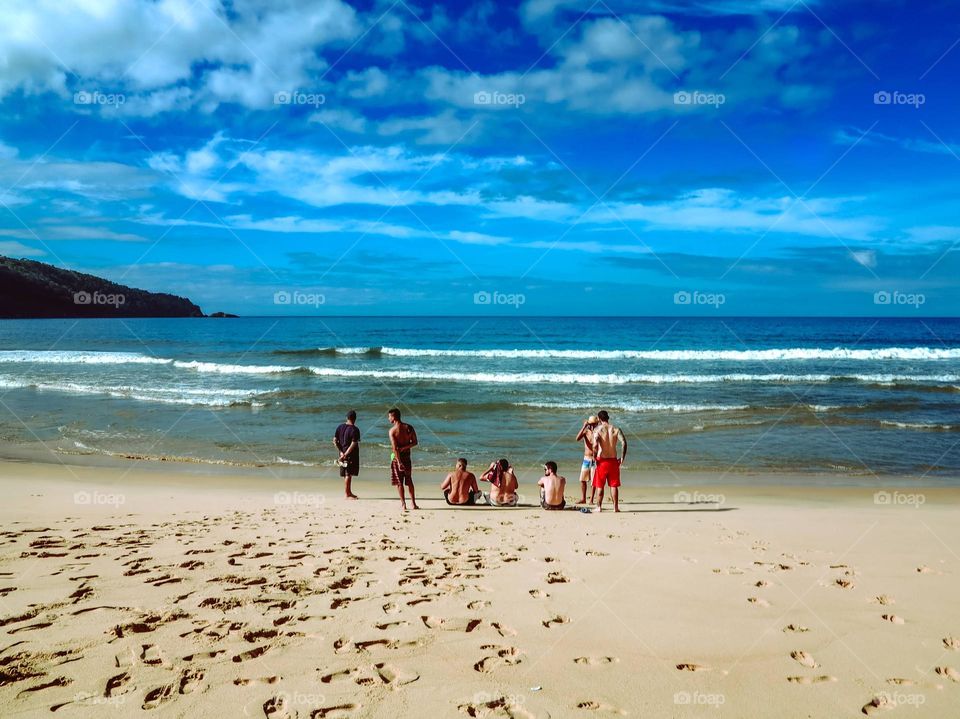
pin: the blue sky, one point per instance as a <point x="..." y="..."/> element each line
<point x="605" y="157"/>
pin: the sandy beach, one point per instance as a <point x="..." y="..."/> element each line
<point x="132" y="590"/>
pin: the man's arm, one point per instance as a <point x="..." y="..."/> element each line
<point x="348" y="450"/>
<point x="582" y="433"/>
<point x="413" y="437"/>
<point x="623" y="440"/>
<point x="447" y="483"/>
<point x="472" y="479"/>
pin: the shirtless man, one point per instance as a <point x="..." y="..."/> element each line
<point x="605" y="439"/>
<point x="586" y="435"/>
<point x="503" y="484"/>
<point x="551" y="487"/>
<point x="403" y="437"/>
<point x="460" y="486"/>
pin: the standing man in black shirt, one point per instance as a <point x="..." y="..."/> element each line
<point x="347" y="441"/>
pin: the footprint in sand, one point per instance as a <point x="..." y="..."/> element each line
<point x="877" y="705"/>
<point x="892" y="618"/>
<point x="538" y="594"/>
<point x="391" y="608"/>
<point x="803" y="658"/>
<point x="190" y="681"/>
<point x="601" y="706"/>
<point x="556" y="578"/>
<point x="335" y="712"/>
<point x="276" y="708"/>
<point x="151" y="654"/>
<point x="558" y="619"/>
<point x="383" y="626"/>
<point x="340" y="675"/>
<point x="883" y="599"/>
<point x="496" y="707"/>
<point x="118" y="684"/>
<point x="762" y="583"/>
<point x="256" y="681"/>
<point x="394" y="676"/>
<point x="156" y="697"/>
<point x="795" y="629"/>
<point x="948" y="672"/>
<point x="689" y="667"/>
<point x="478" y="604"/>
<point x="843" y="583"/>
<point x="596" y="661"/>
<point x="503" y="631"/>
<point x="456" y="624"/>
<point x="251" y="654"/>
<point x="758" y="601"/>
<point x="811" y="680"/>
<point x="951" y="643"/>
<point x="505" y="656"/>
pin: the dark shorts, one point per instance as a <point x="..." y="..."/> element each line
<point x="562" y="505"/>
<point x="401" y="472"/>
<point x="471" y="499"/>
<point x="353" y="466"/>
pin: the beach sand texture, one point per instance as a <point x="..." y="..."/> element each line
<point x="132" y="592"/>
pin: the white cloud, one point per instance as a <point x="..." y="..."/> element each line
<point x="17" y="249"/>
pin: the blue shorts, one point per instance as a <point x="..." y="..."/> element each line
<point x="589" y="463"/>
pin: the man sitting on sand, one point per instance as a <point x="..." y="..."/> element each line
<point x="460" y="486"/>
<point x="605" y="440"/>
<point x="589" y="463"/>
<point x="503" y="484"/>
<point x="551" y="487"/>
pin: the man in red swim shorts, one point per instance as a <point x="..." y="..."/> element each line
<point x="605" y="439"/>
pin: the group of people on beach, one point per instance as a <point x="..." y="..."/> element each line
<point x="600" y="468"/>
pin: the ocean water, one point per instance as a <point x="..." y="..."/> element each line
<point x="860" y="397"/>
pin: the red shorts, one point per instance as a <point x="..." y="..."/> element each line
<point x="608" y="471"/>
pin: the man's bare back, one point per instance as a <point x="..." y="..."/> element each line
<point x="606" y="437"/>
<point x="461" y="484"/>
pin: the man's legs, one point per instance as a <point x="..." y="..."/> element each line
<point x="616" y="498"/>
<point x="346" y="487"/>
<point x="600" y="500"/>
<point x="584" y="478"/>
<point x="413" y="498"/>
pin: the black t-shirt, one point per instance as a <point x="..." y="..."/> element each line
<point x="345" y="435"/>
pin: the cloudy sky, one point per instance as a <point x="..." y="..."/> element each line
<point x="401" y="157"/>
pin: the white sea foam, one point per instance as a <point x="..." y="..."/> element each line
<point x="161" y="395"/>
<point x="764" y="355"/>
<point x="78" y="357"/>
<point x="638" y="406"/>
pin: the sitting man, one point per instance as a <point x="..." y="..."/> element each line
<point x="551" y="487"/>
<point x="460" y="486"/>
<point x="503" y="484"/>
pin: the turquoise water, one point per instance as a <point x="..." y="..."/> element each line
<point x="854" y="396"/>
